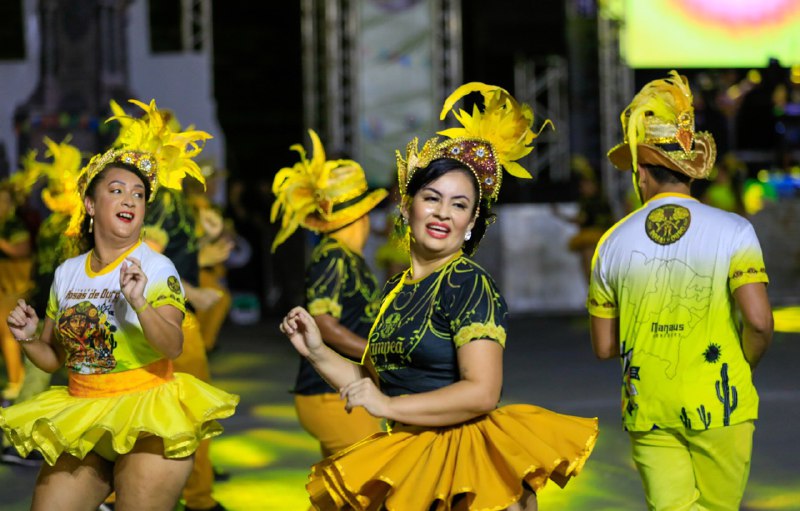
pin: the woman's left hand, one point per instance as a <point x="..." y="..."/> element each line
<point x="365" y="393"/>
<point x="132" y="281"/>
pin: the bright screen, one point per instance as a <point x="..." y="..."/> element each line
<point x="711" y="33"/>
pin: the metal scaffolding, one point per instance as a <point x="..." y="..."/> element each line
<point x="330" y="32"/>
<point x="544" y="87"/>
<point x="616" y="91"/>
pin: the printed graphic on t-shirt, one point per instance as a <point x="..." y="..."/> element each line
<point x="673" y="302"/>
<point x="668" y="223"/>
<point x="87" y="335"/>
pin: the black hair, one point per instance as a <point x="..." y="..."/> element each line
<point x="436" y="169"/>
<point x="86" y="237"/>
<point x="662" y="175"/>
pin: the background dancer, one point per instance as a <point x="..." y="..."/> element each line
<point x="341" y="292"/>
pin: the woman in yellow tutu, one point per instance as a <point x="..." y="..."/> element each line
<point x="125" y="422"/>
<point x="433" y="366"/>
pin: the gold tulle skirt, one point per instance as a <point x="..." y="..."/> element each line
<point x="481" y="464"/>
<point x="90" y="416"/>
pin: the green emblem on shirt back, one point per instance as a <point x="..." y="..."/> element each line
<point x="667" y="224"/>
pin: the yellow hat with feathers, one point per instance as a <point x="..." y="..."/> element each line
<point x="659" y="129"/>
<point x="319" y="194"/>
<point x="487" y="142"/>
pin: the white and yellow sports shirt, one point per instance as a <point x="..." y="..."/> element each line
<point x="668" y="271"/>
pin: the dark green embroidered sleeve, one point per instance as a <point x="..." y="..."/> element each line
<point x="474" y="306"/>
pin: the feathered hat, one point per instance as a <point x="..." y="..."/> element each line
<point x="21" y="182"/>
<point x="61" y="193"/>
<point x="320" y="195"/>
<point x="154" y="145"/>
<point x="659" y="129"/>
<point x="488" y="141"/>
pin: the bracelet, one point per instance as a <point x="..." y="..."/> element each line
<point x="142" y="308"/>
<point x="28" y="339"/>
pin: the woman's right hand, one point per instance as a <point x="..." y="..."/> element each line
<point x="302" y="331"/>
<point x="23" y="321"/>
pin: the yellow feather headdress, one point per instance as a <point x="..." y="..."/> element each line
<point x="21" y="182"/>
<point x="153" y="144"/>
<point x="61" y="193"/>
<point x="488" y="141"/>
<point x="319" y="194"/>
<point x="659" y="129"/>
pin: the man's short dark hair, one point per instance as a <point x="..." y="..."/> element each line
<point x="663" y="175"/>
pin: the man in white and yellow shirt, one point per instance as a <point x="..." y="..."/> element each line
<point x="666" y="284"/>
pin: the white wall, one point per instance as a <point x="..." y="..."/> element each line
<point x="182" y="82"/>
<point x="526" y="253"/>
<point x="17" y="81"/>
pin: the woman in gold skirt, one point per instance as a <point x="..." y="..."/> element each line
<point x="433" y="366"/>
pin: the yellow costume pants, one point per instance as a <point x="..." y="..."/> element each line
<point x="211" y="320"/>
<point x="15" y="282"/>
<point x="688" y="470"/>
<point x="193" y="360"/>
<point x="323" y="416"/>
<point x="12" y="354"/>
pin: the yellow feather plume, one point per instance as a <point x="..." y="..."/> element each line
<point x="20" y="183"/>
<point x="61" y="193"/>
<point x="504" y="122"/>
<point x="158" y="133"/>
<point x="669" y="100"/>
<point x="300" y="189"/>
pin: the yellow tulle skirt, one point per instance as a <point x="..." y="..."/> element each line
<point x="88" y="415"/>
<point x="481" y="465"/>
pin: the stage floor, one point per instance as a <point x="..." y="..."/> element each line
<point x="549" y="362"/>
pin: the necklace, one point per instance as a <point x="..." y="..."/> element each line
<point x="97" y="258"/>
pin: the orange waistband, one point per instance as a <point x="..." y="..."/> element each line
<point x="125" y="382"/>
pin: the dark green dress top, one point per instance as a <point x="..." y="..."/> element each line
<point x="339" y="283"/>
<point x="423" y="322"/>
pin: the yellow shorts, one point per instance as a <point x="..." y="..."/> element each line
<point x="689" y="470"/>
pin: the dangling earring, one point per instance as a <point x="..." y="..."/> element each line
<point x="91" y="224"/>
<point x="468" y="236"/>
